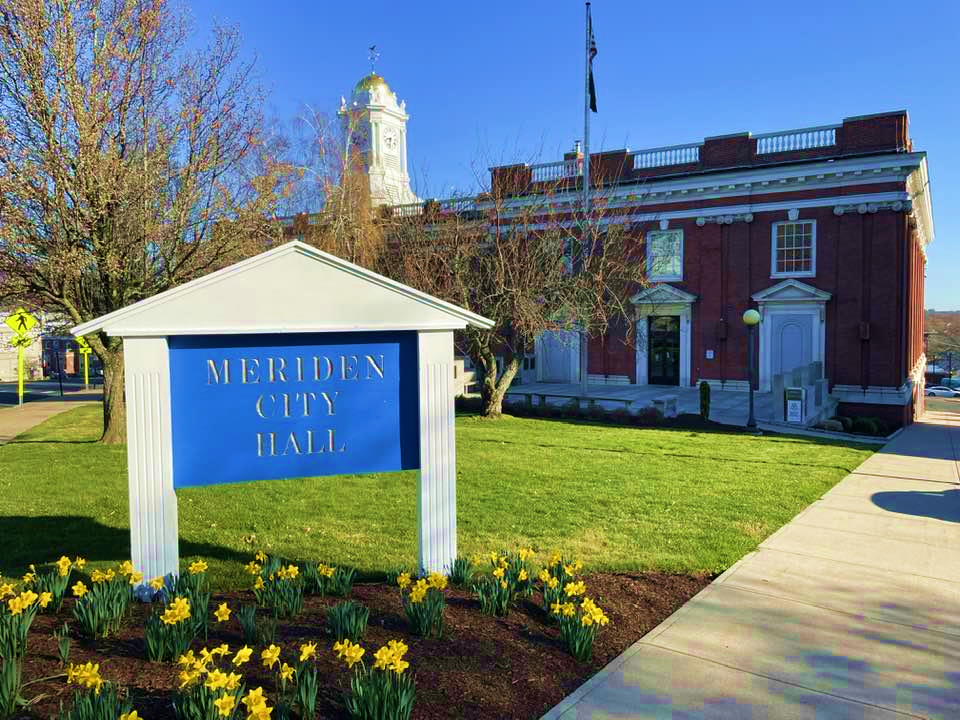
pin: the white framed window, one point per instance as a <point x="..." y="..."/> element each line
<point x="793" y="250"/>
<point x="665" y="255"/>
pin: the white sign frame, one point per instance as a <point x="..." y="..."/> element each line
<point x="278" y="292"/>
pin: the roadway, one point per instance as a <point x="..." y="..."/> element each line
<point x="44" y="390"/>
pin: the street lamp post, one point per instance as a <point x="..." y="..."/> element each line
<point x="751" y="318"/>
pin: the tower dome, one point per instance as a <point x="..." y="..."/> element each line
<point x="370" y="82"/>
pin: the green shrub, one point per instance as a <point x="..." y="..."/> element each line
<point x="99" y="701"/>
<point x="348" y="620"/>
<point x="832" y="425"/>
<point x="649" y="416"/>
<point x="63" y="644"/>
<point x="247" y="617"/>
<point x="620" y="416"/>
<point x="570" y="409"/>
<point x="705" y="400"/>
<point x="847" y="422"/>
<point x="864" y="426"/>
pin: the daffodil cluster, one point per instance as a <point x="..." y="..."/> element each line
<point x="425" y="602"/>
<point x="97" y="699"/>
<point x="87" y="675"/>
<point x="277" y="587"/>
<point x="101" y="607"/>
<point x="510" y="576"/>
<point x="555" y="578"/>
<point x="209" y="686"/>
<point x="52" y="584"/>
<point x="323" y="579"/>
<point x="384" y="690"/>
<point x="169" y="634"/>
<point x="578" y="615"/>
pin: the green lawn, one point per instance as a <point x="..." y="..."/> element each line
<point x="617" y="498"/>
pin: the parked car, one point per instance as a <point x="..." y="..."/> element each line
<point x="941" y="391"/>
<point x="951" y="383"/>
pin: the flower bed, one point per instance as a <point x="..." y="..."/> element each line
<point x="475" y="665"/>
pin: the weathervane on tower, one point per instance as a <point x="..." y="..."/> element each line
<point x="374" y="56"/>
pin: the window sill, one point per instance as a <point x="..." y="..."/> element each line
<point x="665" y="278"/>
<point x="781" y="276"/>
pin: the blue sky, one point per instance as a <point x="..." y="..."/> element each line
<point x="497" y="82"/>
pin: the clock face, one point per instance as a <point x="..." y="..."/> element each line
<point x="391" y="139"/>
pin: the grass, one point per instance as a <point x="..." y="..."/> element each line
<point x="617" y="498"/>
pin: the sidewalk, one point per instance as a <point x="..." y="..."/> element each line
<point x="16" y="420"/>
<point x="851" y="610"/>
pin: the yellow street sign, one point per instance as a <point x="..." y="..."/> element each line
<point x="20" y="321"/>
<point x="82" y="343"/>
<point x="85" y="351"/>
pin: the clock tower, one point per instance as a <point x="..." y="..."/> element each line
<point x="376" y="126"/>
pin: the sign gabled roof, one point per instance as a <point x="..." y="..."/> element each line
<point x="291" y="288"/>
<point x="791" y="290"/>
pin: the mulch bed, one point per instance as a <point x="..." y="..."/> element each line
<point x="484" y="667"/>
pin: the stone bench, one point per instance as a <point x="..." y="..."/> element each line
<point x="667" y="405"/>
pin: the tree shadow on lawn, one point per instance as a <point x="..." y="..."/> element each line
<point x="43" y="539"/>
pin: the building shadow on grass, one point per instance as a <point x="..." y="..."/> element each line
<point x="944" y="505"/>
<point x="43" y="539"/>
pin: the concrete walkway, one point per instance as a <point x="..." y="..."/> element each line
<point x="16" y="420"/>
<point x="851" y="610"/>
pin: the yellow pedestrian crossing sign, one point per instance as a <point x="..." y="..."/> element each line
<point x="20" y="321"/>
<point x="83" y="345"/>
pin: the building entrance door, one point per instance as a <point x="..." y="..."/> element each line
<point x="663" y="350"/>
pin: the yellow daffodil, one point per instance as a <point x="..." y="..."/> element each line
<point x="79" y="562"/>
<point x="437" y="580"/>
<point x="543" y="576"/>
<point x="398" y="647"/>
<point x="569" y="569"/>
<point x="504" y="584"/>
<point x="253" y="698"/>
<point x="132" y="715"/>
<point x="44" y="599"/>
<point x="242" y="656"/>
<point x="525" y="553"/>
<point x="259" y="712"/>
<point x="216" y="680"/>
<point x="552" y="583"/>
<point x="575" y="588"/>
<point x="157" y="583"/>
<point x="568" y="609"/>
<point x="349" y="652"/>
<point x="286" y="672"/>
<point x="79" y="589"/>
<point x="307" y="651"/>
<point x="87" y="675"/>
<point x="126" y="567"/>
<point x="223" y="613"/>
<point x="555" y="608"/>
<point x="186" y="659"/>
<point x="258" y="585"/>
<point x="498" y="572"/>
<point x="382" y="658"/>
<point x="221" y="650"/>
<point x="197" y="567"/>
<point x="292" y="571"/>
<point x="270" y="656"/>
<point x="30" y="576"/>
<point x="252" y="567"/>
<point x="555" y="559"/>
<point x="6" y="589"/>
<point x="15" y="605"/>
<point x="522" y="575"/>
<point x="233" y="681"/>
<point x="493" y="557"/>
<point x="188" y="677"/>
<point x="261" y="556"/>
<point x="224" y="705"/>
<point x="403" y="580"/>
<point x="63" y="566"/>
<point x="419" y="591"/>
<point x="325" y="570"/>
<point x="136" y="577"/>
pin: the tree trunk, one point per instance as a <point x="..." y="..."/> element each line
<point x="494" y="388"/>
<point x="114" y="401"/>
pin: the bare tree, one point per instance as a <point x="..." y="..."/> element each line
<point x="128" y="163"/>
<point x="531" y="267"/>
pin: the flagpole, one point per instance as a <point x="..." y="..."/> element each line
<point x="586" y="182"/>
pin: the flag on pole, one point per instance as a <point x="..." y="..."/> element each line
<point x="592" y="54"/>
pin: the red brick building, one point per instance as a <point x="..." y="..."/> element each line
<point x="822" y="230"/>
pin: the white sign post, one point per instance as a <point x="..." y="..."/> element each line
<point x="303" y="296"/>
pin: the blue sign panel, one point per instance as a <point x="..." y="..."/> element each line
<point x="257" y="407"/>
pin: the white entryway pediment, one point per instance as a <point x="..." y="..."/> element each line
<point x="791" y="291"/>
<point x="663" y="294"/>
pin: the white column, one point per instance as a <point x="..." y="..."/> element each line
<point x="641" y="350"/>
<point x="437" y="481"/>
<point x="685" y="347"/>
<point x="154" y="547"/>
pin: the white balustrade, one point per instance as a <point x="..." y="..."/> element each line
<point x="666" y="156"/>
<point x="546" y="172"/>
<point x="802" y="139"/>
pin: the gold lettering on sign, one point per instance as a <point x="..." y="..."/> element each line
<point x="215" y="375"/>
<point x="316" y="367"/>
<point x="249" y="374"/>
<point x="278" y="370"/>
<point x="310" y="447"/>
<point x="260" y="411"/>
<point x="348" y="367"/>
<point x="372" y="365"/>
<point x="299" y="369"/>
